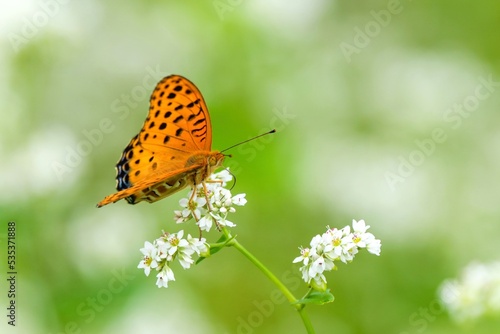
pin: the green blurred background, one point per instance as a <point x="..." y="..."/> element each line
<point x="384" y="113"/>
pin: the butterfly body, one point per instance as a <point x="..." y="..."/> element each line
<point x="173" y="148"/>
<point x="198" y="167"/>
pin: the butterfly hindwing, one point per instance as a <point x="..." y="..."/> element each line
<point x="153" y="188"/>
<point x="138" y="163"/>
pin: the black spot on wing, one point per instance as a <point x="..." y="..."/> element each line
<point x="200" y="132"/>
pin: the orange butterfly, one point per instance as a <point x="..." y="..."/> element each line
<point x="173" y="148"/>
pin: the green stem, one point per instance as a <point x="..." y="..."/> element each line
<point x="291" y="298"/>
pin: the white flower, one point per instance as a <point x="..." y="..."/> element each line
<point x="239" y="199"/>
<point x="190" y="208"/>
<point x="223" y="221"/>
<point x="200" y="246"/>
<point x="149" y="261"/>
<point x="170" y="246"/>
<point x="220" y="203"/>
<point x="359" y="227"/>
<point x="363" y="239"/>
<point x="305" y="274"/>
<point x="317" y="243"/>
<point x="210" y="205"/>
<point x="475" y="294"/>
<point x="304" y="256"/>
<point x="221" y="197"/>
<point x="224" y="176"/>
<point x="320" y="265"/>
<point x="348" y="254"/>
<point x="334" y="245"/>
<point x="164" y="276"/>
<point x="205" y="223"/>
<point x="374" y="246"/>
<point x="185" y="258"/>
<point x="181" y="216"/>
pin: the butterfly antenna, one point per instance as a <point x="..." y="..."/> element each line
<point x="234" y="178"/>
<point x="246" y="141"/>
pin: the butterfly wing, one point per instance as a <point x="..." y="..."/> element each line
<point x="154" y="188"/>
<point x="177" y="125"/>
<point x="178" y="118"/>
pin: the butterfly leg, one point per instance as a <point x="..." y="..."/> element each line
<point x="196" y="218"/>
<point x="193" y="193"/>
<point x="205" y="190"/>
<point x="217" y="225"/>
<point x="192" y="205"/>
<point x="193" y="196"/>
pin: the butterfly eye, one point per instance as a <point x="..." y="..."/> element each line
<point x="220" y="159"/>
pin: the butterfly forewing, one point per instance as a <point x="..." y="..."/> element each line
<point x="178" y="118"/>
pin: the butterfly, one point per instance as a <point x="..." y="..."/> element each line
<point x="173" y="148"/>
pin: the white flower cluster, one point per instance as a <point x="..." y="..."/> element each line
<point x="334" y="245"/>
<point x="221" y="202"/>
<point x="163" y="251"/>
<point x="475" y="294"/>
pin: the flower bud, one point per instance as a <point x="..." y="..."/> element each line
<point x="318" y="285"/>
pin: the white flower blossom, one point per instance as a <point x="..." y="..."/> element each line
<point x="374" y="246"/>
<point x="304" y="256"/>
<point x="211" y="205"/>
<point x="205" y="223"/>
<point x="223" y="176"/>
<point x="220" y="203"/>
<point x="149" y="261"/>
<point x="359" y="227"/>
<point x="199" y="246"/>
<point x="239" y="199"/>
<point x="181" y="216"/>
<point x="334" y="245"/>
<point x="475" y="294"/>
<point x="164" y="276"/>
<point x="190" y="208"/>
<point x="165" y="250"/>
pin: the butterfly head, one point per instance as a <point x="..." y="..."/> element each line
<point x="205" y="162"/>
<point x="215" y="160"/>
